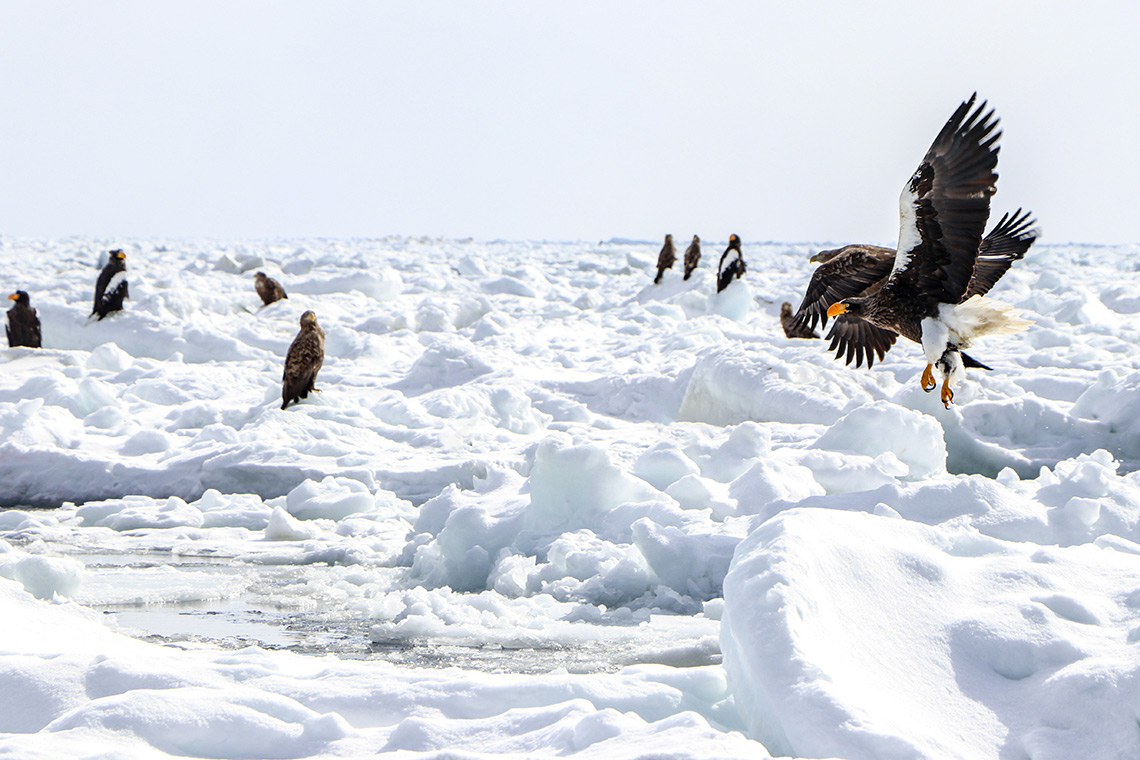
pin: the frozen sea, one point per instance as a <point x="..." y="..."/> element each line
<point x="541" y="507"/>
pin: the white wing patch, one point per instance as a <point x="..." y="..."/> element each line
<point x="117" y="281"/>
<point x="909" y="239"/>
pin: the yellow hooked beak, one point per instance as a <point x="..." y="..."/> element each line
<point x="13" y="297"/>
<point x="836" y="309"/>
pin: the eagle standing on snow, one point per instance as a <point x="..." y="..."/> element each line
<point x="793" y="328"/>
<point x="933" y="293"/>
<point x="23" y="325"/>
<point x="304" y="360"/>
<point x="692" y="256"/>
<point x="268" y="288"/>
<point x="861" y="270"/>
<point x="665" y="259"/>
<point x="111" y="287"/>
<point x="731" y="264"/>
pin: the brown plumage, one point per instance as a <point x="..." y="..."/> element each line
<point x="268" y="288"/>
<point x="111" y="287"/>
<point x="665" y="259"/>
<point x="23" y="325"/>
<point x="731" y="265"/>
<point x="933" y="292"/>
<point x="861" y="270"/>
<point x="692" y="256"/>
<point x="792" y="327"/>
<point x="304" y="360"/>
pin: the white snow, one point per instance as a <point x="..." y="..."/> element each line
<point x="627" y="520"/>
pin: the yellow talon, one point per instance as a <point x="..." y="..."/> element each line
<point x="947" y="394"/>
<point x="928" y="378"/>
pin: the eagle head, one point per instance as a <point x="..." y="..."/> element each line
<point x="853" y="307"/>
<point x="308" y="319"/>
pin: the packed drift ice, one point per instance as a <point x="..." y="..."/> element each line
<point x="682" y="533"/>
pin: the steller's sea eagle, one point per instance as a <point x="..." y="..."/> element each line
<point x="731" y="264"/>
<point x="933" y="291"/>
<point x="23" y="325"/>
<point x="861" y="270"/>
<point x="111" y="287"/>
<point x="303" y="361"/>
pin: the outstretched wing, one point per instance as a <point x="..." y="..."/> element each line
<point x="847" y="272"/>
<point x="859" y="340"/>
<point x="1005" y="244"/>
<point x="943" y="208"/>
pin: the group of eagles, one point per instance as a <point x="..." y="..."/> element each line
<point x="932" y="288"/>
<point x="302" y="362"/>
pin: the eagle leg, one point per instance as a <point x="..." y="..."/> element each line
<point x="928" y="382"/>
<point x="947" y="394"/>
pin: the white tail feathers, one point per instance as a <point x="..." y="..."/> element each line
<point x="979" y="315"/>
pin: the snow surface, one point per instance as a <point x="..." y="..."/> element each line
<point x="571" y="489"/>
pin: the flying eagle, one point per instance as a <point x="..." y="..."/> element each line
<point x="933" y="290"/>
<point x="861" y="270"/>
<point x="665" y="259"/>
<point x="111" y="287"/>
<point x="304" y="360"/>
<point x="794" y="328"/>
<point x="268" y="288"/>
<point x="692" y="256"/>
<point x="23" y="325"/>
<point x="731" y="264"/>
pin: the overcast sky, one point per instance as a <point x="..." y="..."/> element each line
<point x="789" y="121"/>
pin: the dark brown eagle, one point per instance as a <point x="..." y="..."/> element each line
<point x="731" y="264"/>
<point x="794" y="328"/>
<point x="861" y="270"/>
<point x="268" y="288"/>
<point x="303" y="361"/>
<point x="111" y="287"/>
<point x="665" y="259"/>
<point x="692" y="256"/>
<point x="933" y="290"/>
<point x="23" y="325"/>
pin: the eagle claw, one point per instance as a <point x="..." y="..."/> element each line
<point x="928" y="379"/>
<point x="947" y="394"/>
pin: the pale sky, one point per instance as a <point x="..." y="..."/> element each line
<point x="785" y="121"/>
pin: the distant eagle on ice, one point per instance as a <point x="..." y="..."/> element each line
<point x="111" y="287"/>
<point x="268" y="288"/>
<point x="303" y="361"/>
<point x="23" y="325"/>
<point x="692" y="256"/>
<point x="731" y="264"/>
<point x="665" y="259"/>
<point x="934" y="290"/>
<point x="793" y="328"/>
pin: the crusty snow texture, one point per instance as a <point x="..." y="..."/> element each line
<point x="529" y="446"/>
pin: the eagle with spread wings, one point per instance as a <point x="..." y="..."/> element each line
<point x="932" y="288"/>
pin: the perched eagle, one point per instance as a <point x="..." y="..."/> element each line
<point x="304" y="360"/>
<point x="933" y="291"/>
<point x="692" y="256"/>
<point x="793" y="328"/>
<point x="665" y="259"/>
<point x="268" y="288"/>
<point x="731" y="264"/>
<point x="111" y="287"/>
<point x="23" y="324"/>
<point x="861" y="270"/>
